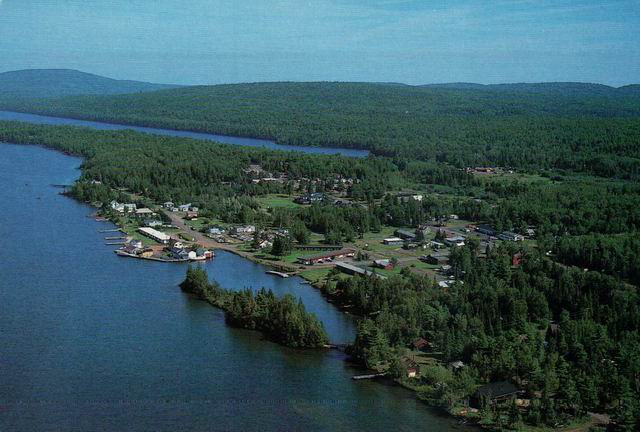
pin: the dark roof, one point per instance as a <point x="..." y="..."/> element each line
<point x="420" y="343"/>
<point x="496" y="390"/>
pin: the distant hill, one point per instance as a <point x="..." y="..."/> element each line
<point x="550" y="88"/>
<point x="43" y="83"/>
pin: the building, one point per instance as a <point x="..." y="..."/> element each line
<point x="493" y="393"/>
<point x="516" y="259"/>
<point x="406" y="234"/>
<point x="421" y="345"/>
<point x="168" y="205"/>
<point x="144" y="212"/>
<point x="191" y="214"/>
<point x="393" y="241"/>
<point x="435" y="259"/>
<point x="510" y="236"/>
<point x="354" y="270"/>
<point x="153" y="234"/>
<point x="310" y="198"/>
<point x="216" y="230"/>
<point x="404" y="197"/>
<point x="383" y="264"/>
<point x="486" y="230"/>
<point x="244" y="229"/>
<point x="152" y="223"/>
<point x="436" y="245"/>
<point x="184" y="207"/>
<point x="265" y="244"/>
<point x="454" y="241"/>
<point x="327" y="256"/>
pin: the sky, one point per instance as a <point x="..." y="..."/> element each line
<point x="408" y="41"/>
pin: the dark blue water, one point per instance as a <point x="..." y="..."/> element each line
<point x="92" y="341"/>
<point x="248" y="142"/>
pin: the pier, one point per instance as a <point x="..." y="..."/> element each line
<point x="368" y="376"/>
<point x="277" y="273"/>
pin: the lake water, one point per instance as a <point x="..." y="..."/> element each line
<point x="92" y="341"/>
<point x="248" y="142"/>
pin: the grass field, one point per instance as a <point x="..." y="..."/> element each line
<point x="276" y="200"/>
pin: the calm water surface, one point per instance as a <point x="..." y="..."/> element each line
<point x="248" y="142"/>
<point x="91" y="341"/>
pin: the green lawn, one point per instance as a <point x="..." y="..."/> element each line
<point x="276" y="200"/>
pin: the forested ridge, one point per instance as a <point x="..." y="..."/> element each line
<point x="567" y="126"/>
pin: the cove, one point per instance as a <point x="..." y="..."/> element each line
<point x="90" y="341"/>
<point x="247" y="142"/>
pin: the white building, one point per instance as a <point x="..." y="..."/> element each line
<point x="156" y="235"/>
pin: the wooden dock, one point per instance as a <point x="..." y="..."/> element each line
<point x="110" y="230"/>
<point x="116" y="238"/>
<point x="277" y="273"/>
<point x="118" y="243"/>
<point x="368" y="376"/>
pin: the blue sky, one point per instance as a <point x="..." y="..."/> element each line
<point x="415" y="42"/>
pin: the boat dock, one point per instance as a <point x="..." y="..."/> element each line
<point x="116" y="243"/>
<point x="151" y="258"/>
<point x="110" y="230"/>
<point x="368" y="376"/>
<point x="115" y="238"/>
<point x="277" y="273"/>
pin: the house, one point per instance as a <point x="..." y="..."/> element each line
<point x="454" y="217"/>
<point x="147" y="253"/>
<point x="493" y="393"/>
<point x="265" y="244"/>
<point x="128" y="208"/>
<point x="486" y="230"/>
<point x="152" y="223"/>
<point x="168" y="205"/>
<point x="354" y="270"/>
<point x="183" y="254"/>
<point x="184" y="207"/>
<point x="516" y="260"/>
<point x="510" y="236"/>
<point x="436" y="245"/>
<point x="115" y="205"/>
<point x="156" y="235"/>
<point x="435" y="259"/>
<point x="406" y="234"/>
<point x="191" y="215"/>
<point x="135" y="244"/>
<point x="383" y="264"/>
<point x="393" y="241"/>
<point x="413" y="369"/>
<point x="454" y="241"/>
<point x="244" y="229"/>
<point x="327" y="256"/>
<point x="310" y="198"/>
<point x="216" y="230"/>
<point x="456" y="365"/>
<point x="404" y="197"/>
<point x="143" y="212"/>
<point x="422" y="345"/>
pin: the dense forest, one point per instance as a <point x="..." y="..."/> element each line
<point x="283" y="320"/>
<point x="586" y="128"/>
<point x="569" y="338"/>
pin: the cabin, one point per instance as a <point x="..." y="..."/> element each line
<point x="191" y="215"/>
<point x="264" y="244"/>
<point x="486" y="230"/>
<point x="435" y="259"/>
<point x="516" y="260"/>
<point x="168" y="205"/>
<point x="404" y="197"/>
<point x="494" y="393"/>
<point x="327" y="256"/>
<point x="393" y="241"/>
<point x="510" y="236"/>
<point x="406" y="234"/>
<point x="184" y="207"/>
<point x="354" y="270"/>
<point x="152" y="223"/>
<point x="383" y="264"/>
<point x="244" y="229"/>
<point x="422" y="345"/>
<point x="143" y="212"/>
<point x="216" y="230"/>
<point x="454" y="241"/>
